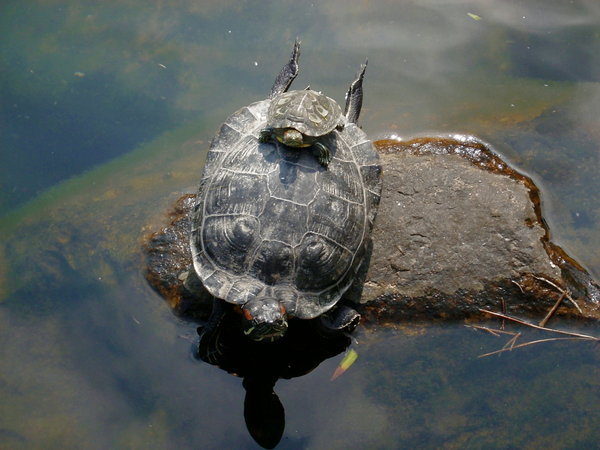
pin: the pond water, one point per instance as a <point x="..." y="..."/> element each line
<point x="106" y="114"/>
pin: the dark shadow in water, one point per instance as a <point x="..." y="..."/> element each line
<point x="305" y="345"/>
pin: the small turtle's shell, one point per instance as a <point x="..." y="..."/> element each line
<point x="270" y="221"/>
<point x="309" y="112"/>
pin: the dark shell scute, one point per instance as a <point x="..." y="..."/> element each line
<point x="217" y="283"/>
<point x="243" y="290"/>
<point x="213" y="158"/>
<point x="340" y="149"/>
<point x="292" y="182"/>
<point x="203" y="264"/>
<point x="241" y="120"/>
<point x="285" y="221"/>
<point x="321" y="263"/>
<point x="354" y="135"/>
<point x="273" y="262"/>
<point x="362" y="153"/>
<point x="343" y="180"/>
<point x="339" y="220"/>
<point x="372" y="176"/>
<point x="226" y="138"/>
<point x="228" y="193"/>
<point x="245" y="159"/>
<point x="287" y="294"/>
<point x="228" y="239"/>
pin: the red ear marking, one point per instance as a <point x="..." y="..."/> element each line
<point x="247" y="314"/>
<point x="282" y="309"/>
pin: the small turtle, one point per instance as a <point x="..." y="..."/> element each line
<point x="273" y="231"/>
<point x="301" y="118"/>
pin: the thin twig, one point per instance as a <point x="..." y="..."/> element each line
<point x="511" y="342"/>
<point x="489" y="330"/>
<point x="492" y="330"/>
<point x="514" y="341"/>
<point x="551" y="283"/>
<point x="573" y="301"/>
<point x="561" y="290"/>
<point x="539" y="341"/>
<point x="552" y="330"/>
<point x="545" y="320"/>
<point x="519" y="286"/>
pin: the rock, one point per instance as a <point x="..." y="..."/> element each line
<point x="169" y="261"/>
<point x="457" y="230"/>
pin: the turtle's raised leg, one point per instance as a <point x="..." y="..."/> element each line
<point x="322" y="153"/>
<point x="288" y="72"/>
<point x="354" y="96"/>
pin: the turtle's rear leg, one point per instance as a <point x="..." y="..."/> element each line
<point x="288" y="72"/>
<point x="354" y="96"/>
<point x="342" y="318"/>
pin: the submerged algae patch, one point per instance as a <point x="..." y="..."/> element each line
<point x="89" y="226"/>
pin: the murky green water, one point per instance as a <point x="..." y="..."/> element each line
<point x="106" y="112"/>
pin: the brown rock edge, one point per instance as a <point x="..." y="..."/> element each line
<point x="458" y="230"/>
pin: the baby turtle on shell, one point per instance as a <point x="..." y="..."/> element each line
<point x="300" y="118"/>
<point x="275" y="232"/>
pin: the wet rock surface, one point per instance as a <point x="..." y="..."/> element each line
<point x="169" y="261"/>
<point x="458" y="230"/>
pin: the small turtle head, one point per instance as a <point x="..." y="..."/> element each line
<point x="292" y="138"/>
<point x="264" y="319"/>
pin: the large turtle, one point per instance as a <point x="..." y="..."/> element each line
<point x="276" y="232"/>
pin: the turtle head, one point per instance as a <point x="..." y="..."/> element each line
<point x="291" y="137"/>
<point x="264" y="319"/>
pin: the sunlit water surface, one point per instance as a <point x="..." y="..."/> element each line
<point x="91" y="357"/>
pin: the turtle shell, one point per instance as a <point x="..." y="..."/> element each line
<point x="309" y="112"/>
<point x="270" y="221"/>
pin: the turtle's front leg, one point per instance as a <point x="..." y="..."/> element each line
<point x="266" y="135"/>
<point x="322" y="153"/>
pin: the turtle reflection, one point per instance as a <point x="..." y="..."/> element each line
<point x="305" y="345"/>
